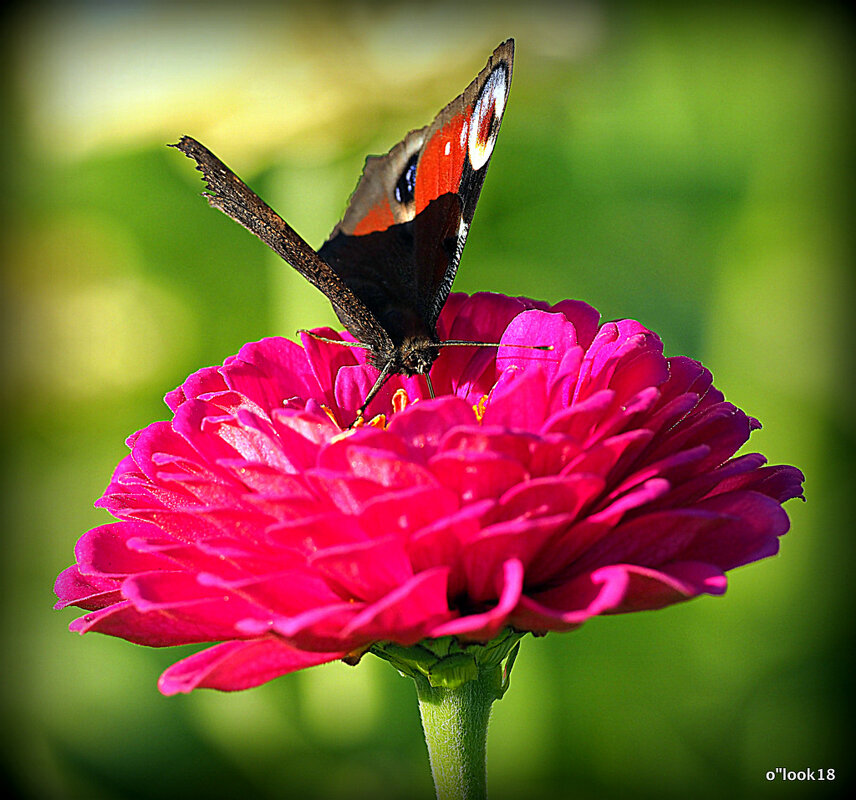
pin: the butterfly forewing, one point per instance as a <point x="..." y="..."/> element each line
<point x="448" y="158"/>
<point x="430" y="161"/>
<point x="227" y="192"/>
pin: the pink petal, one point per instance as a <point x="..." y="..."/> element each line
<point x="755" y="522"/>
<point x="271" y="371"/>
<point x="536" y="328"/>
<point x="204" y="381"/>
<point x="485" y="554"/>
<point x="583" y="317"/>
<point x="325" y="360"/>
<point x="549" y="495"/>
<point x="383" y="467"/>
<point x="486" y="625"/>
<point x="232" y="666"/>
<point x="650" y="589"/>
<point x="490" y="439"/>
<point x="781" y="483"/>
<point x="567" y="606"/>
<point x="85" y="591"/>
<point x="406" y="614"/>
<point x="423" y="425"/>
<point x="408" y="510"/>
<point x="475" y="475"/>
<point x="153" y="629"/>
<point x="519" y="399"/>
<point x="365" y="571"/>
<point x="441" y="542"/>
<point x="104" y="551"/>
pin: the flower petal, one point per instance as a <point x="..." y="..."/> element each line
<point x="484" y="626"/>
<point x="232" y="666"/>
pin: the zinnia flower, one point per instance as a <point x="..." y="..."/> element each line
<point x="537" y="490"/>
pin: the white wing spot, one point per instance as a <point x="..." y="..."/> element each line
<point x="486" y="117"/>
<point x="447" y="148"/>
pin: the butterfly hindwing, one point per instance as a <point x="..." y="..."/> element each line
<point x="389" y="270"/>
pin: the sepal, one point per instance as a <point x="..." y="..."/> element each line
<point x="448" y="663"/>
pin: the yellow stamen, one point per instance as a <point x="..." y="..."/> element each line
<point x="399" y="401"/>
<point x="343" y="435"/>
<point x="480" y="407"/>
<point x="329" y="412"/>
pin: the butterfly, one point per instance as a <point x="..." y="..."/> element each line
<point x="387" y="267"/>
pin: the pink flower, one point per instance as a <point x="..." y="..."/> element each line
<point x="537" y="490"/>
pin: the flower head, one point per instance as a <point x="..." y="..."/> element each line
<point x="538" y="489"/>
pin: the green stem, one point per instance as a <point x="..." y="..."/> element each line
<point x="455" y="724"/>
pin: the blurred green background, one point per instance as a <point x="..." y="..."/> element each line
<point x="687" y="167"/>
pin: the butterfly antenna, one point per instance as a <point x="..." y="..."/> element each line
<point x="459" y="343"/>
<point x="363" y="345"/>
<point x="385" y="375"/>
<point x="430" y="385"/>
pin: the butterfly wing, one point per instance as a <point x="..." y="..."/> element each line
<point x="227" y="192"/>
<point x="388" y="266"/>
<point x="400" y="240"/>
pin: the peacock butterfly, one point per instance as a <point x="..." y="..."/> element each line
<point x="388" y="266"/>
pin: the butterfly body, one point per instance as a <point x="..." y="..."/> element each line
<point x="389" y="264"/>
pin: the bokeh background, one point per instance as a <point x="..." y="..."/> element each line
<point x="689" y="167"/>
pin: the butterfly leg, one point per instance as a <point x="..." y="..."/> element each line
<point x="385" y="375"/>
